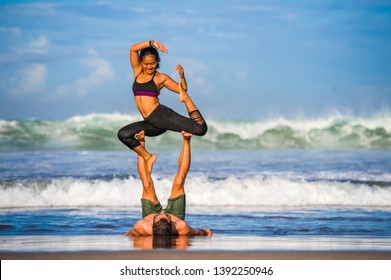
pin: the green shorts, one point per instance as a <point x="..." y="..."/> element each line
<point x="175" y="206"/>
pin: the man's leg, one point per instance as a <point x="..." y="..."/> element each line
<point x="149" y="201"/>
<point x="176" y="204"/>
<point x="146" y="179"/>
<point x="178" y="186"/>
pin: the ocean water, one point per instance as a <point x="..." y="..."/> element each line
<point x="303" y="184"/>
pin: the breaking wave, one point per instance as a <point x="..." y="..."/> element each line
<point x="99" y="132"/>
<point x="201" y="191"/>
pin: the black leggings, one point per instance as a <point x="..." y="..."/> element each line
<point x="161" y="120"/>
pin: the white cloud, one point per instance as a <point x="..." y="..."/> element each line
<point x="138" y="10"/>
<point x="193" y="68"/>
<point x="35" y="9"/>
<point x="31" y="79"/>
<point x="197" y="73"/>
<point x="102" y="72"/>
<point x="289" y="17"/>
<point x="11" y="30"/>
<point x="105" y="3"/>
<point x="252" y="8"/>
<point x="39" y="45"/>
<point x="241" y="75"/>
<point x="92" y="52"/>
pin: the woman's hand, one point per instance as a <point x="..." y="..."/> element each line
<point x="159" y="46"/>
<point x="180" y="71"/>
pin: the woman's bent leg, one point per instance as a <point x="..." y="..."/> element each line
<point x="166" y="118"/>
<point x="127" y="133"/>
<point x="127" y="136"/>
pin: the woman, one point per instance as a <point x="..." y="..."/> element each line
<point x="157" y="117"/>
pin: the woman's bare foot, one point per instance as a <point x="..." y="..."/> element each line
<point x="183" y="96"/>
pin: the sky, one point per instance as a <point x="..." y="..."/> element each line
<point x="243" y="59"/>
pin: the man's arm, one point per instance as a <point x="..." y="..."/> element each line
<point x="141" y="228"/>
<point x="132" y="232"/>
<point x="200" y="232"/>
<point x="184" y="229"/>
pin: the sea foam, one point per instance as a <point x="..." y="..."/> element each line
<point x="99" y="132"/>
<point x="201" y="191"/>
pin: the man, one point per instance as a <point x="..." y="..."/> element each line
<point x="170" y="221"/>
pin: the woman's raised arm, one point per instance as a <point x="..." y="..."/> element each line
<point x="134" y="58"/>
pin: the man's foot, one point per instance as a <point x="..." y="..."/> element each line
<point x="149" y="164"/>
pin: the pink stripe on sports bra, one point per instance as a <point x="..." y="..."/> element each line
<point x="145" y="93"/>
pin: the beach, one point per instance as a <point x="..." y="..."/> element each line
<point x="106" y="247"/>
<point x="269" y="195"/>
<point x="293" y="176"/>
<point x="200" y="255"/>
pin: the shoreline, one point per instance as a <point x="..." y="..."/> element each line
<point x="198" y="255"/>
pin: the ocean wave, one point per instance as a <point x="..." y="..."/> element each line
<point x="99" y="132"/>
<point x="201" y="191"/>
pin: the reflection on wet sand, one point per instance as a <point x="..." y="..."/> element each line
<point x="161" y="242"/>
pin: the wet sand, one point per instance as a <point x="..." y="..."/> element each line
<point x="112" y="247"/>
<point x="199" y="255"/>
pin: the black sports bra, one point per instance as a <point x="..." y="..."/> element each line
<point x="145" y="89"/>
